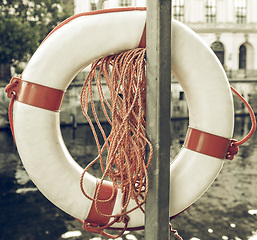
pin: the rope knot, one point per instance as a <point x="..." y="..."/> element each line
<point x="11" y="88"/>
<point x="123" y="218"/>
<point x="232" y="150"/>
<point x="94" y="228"/>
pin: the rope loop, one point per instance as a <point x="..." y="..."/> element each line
<point x="11" y="93"/>
<point x="94" y="228"/>
<point x="10" y="88"/>
<point x="234" y="144"/>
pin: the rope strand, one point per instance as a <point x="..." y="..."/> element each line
<point x="252" y="115"/>
<point x="234" y="145"/>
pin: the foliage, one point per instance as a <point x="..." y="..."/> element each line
<point x="24" y="24"/>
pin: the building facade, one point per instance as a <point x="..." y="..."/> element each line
<point x="229" y="27"/>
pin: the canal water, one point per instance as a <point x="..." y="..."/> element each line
<point x="228" y="210"/>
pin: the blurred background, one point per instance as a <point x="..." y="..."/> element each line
<point x="228" y="210"/>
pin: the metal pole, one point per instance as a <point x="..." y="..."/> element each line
<point x="158" y="42"/>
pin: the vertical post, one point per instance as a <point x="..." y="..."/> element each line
<point x="158" y="42"/>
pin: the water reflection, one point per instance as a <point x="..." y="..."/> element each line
<point x="226" y="211"/>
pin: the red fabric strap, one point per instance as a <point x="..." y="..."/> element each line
<point x="105" y="207"/>
<point x="207" y="143"/>
<point x="142" y="43"/>
<point x="35" y="94"/>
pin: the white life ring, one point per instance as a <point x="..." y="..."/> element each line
<point x="77" y="43"/>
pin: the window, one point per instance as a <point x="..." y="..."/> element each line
<point x="125" y="3"/>
<point x="240" y="8"/>
<point x="242" y="57"/>
<point x="218" y="48"/>
<point x="178" y="10"/>
<point x="93" y="5"/>
<point x="210" y="11"/>
<point x="181" y="96"/>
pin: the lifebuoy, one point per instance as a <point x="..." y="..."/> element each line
<point x="75" y="44"/>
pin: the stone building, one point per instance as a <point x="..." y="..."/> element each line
<point x="229" y="27"/>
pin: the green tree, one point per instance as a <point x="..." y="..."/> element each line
<point x="23" y="25"/>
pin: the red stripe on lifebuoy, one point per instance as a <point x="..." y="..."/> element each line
<point x="206" y="143"/>
<point x="36" y="95"/>
<point x="104" y="207"/>
<point x="142" y="43"/>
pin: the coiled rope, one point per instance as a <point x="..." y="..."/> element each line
<point x="126" y="163"/>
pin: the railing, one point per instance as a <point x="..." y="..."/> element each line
<point x="241" y="74"/>
<point x="226" y="27"/>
